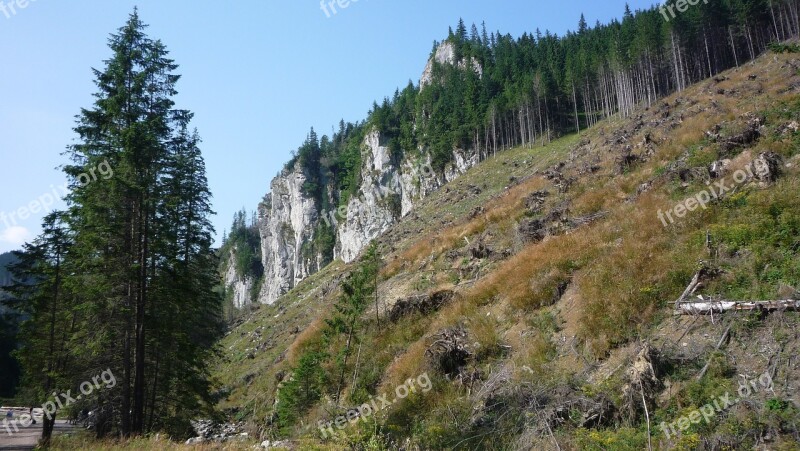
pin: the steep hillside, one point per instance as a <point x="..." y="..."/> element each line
<point x="534" y="294"/>
<point x="479" y="94"/>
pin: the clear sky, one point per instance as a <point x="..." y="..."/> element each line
<point x="256" y="73"/>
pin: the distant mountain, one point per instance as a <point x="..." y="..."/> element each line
<point x="9" y="370"/>
<point x="5" y="275"/>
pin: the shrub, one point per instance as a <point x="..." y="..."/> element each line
<point x="622" y="439"/>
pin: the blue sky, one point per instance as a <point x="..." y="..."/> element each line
<point x="256" y="73"/>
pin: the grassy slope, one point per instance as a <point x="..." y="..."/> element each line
<point x="565" y="315"/>
<point x="622" y="269"/>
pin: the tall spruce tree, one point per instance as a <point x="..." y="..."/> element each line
<point x="153" y="235"/>
<point x="142" y="270"/>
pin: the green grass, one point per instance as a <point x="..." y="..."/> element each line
<point x="84" y="441"/>
<point x="296" y="309"/>
<point x="492" y="177"/>
<point x="622" y="271"/>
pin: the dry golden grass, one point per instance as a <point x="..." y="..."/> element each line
<point x="623" y="265"/>
<point x="513" y="279"/>
<point x="507" y="207"/>
<point x="533" y="360"/>
<point x="413" y="362"/>
<point x="545" y="289"/>
<point x="594" y="200"/>
<point x="485" y="331"/>
<point x="630" y="280"/>
<point x="624" y="268"/>
<point x="410" y="364"/>
<point x="308" y="337"/>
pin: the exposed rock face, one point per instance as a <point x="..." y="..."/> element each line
<point x="286" y="219"/>
<point x="446" y="54"/>
<point x="389" y="191"/>
<point x="379" y="203"/>
<point x="240" y="286"/>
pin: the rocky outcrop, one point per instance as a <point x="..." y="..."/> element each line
<point x="211" y="431"/>
<point x="287" y="219"/>
<point x="389" y="191"/>
<point x="378" y="204"/>
<point x="240" y="286"/>
<point x="446" y="54"/>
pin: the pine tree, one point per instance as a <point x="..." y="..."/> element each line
<point x="45" y="298"/>
<point x="461" y="31"/>
<point x="302" y="390"/>
<point x="309" y="378"/>
<point x="143" y="239"/>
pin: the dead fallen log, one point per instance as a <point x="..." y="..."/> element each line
<point x="583" y="220"/>
<point x="721" y="306"/>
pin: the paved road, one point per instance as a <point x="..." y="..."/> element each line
<point x="26" y="438"/>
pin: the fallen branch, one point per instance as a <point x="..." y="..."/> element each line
<point x="690" y="289"/>
<point x="719" y="345"/>
<point x="722" y="306"/>
<point x="647" y="415"/>
<point x="576" y="222"/>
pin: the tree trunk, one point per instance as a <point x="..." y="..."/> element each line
<point x="575" y="105"/>
<point x="708" y="307"/>
<point x="733" y="47"/>
<point x="139" y="380"/>
<point x="344" y="364"/>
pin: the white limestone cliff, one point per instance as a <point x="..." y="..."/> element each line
<point x="288" y="218"/>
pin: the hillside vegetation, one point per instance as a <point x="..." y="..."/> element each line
<point x="536" y="301"/>
<point x="531" y="289"/>
<point x="483" y="92"/>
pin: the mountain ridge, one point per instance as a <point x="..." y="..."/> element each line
<point x="479" y="93"/>
<point x="560" y="269"/>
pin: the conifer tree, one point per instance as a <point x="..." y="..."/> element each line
<point x="43" y="293"/>
<point x="138" y="244"/>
